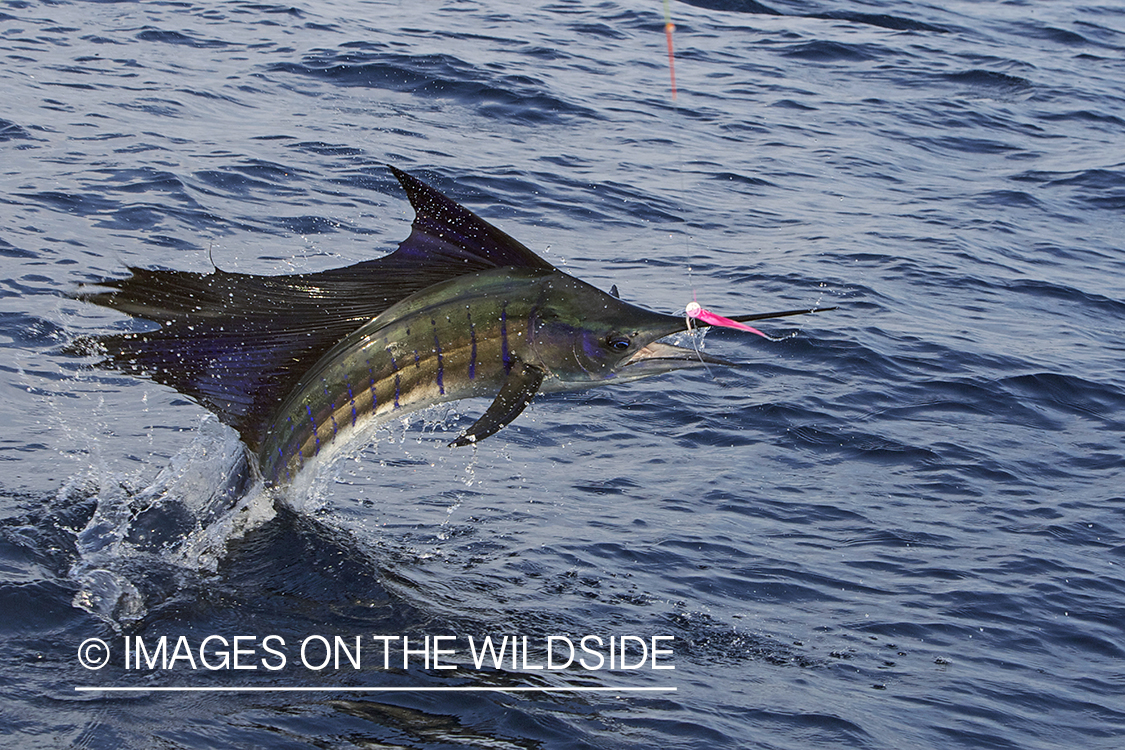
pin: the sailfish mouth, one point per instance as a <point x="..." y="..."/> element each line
<point x="676" y="356"/>
<point x="657" y="358"/>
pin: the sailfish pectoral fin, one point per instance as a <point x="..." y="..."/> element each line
<point x="521" y="386"/>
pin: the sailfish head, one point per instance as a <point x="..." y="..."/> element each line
<point x="582" y="337"/>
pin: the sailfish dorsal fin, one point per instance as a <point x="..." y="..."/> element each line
<point x="238" y="343"/>
<point x="447" y="233"/>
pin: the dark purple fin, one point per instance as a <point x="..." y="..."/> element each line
<point x="238" y="343"/>
<point x="447" y="233"/>
<point x="521" y="386"/>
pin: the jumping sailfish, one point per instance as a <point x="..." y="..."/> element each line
<point x="299" y="364"/>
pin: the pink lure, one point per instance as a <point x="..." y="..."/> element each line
<point x="696" y="312"/>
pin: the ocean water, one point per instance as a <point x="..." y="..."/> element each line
<point x="900" y="525"/>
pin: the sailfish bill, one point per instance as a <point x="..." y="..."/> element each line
<point x="299" y="364"/>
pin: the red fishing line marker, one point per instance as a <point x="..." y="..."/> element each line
<point x="669" y="27"/>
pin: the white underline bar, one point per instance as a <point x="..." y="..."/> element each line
<point x="345" y="689"/>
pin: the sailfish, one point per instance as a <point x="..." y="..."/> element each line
<point x="303" y="364"/>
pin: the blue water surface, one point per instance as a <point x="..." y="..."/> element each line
<point x="899" y="525"/>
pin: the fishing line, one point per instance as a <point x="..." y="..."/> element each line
<point x="669" y="28"/>
<point x="694" y="311"/>
<point x="696" y="341"/>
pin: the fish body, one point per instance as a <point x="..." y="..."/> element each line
<point x="452" y="341"/>
<point x="302" y="365"/>
<point x="467" y="337"/>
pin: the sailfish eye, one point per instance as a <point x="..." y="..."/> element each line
<point x="618" y="342"/>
